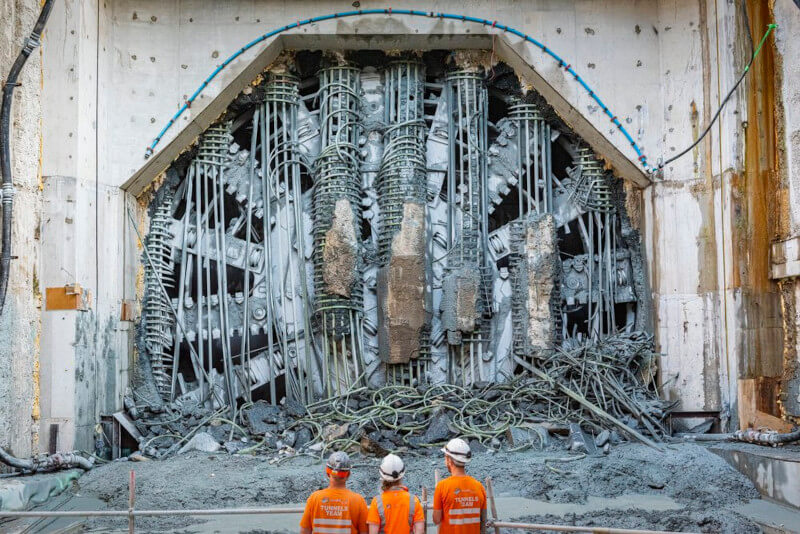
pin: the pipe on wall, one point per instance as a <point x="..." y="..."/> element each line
<point x="5" y="143"/>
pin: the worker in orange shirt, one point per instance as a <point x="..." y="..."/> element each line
<point x="335" y="509"/>
<point x="459" y="502"/>
<point x="395" y="510"/>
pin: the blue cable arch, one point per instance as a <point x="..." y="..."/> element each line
<point x="415" y="13"/>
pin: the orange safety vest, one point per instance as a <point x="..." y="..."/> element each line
<point x="412" y="501"/>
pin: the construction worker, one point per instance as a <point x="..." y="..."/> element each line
<point x="395" y="510"/>
<point x="335" y="509"/>
<point x="459" y="502"/>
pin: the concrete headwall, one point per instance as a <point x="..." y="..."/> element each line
<point x="718" y="314"/>
<point x="89" y="241"/>
<point x="115" y="72"/>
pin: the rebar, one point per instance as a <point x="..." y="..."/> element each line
<point x="337" y="180"/>
<point x="534" y="180"/>
<point x="336" y="170"/>
<point x="467" y="211"/>
<point x="286" y="280"/>
<point x="596" y="385"/>
<point x="593" y="191"/>
<point x="402" y="178"/>
<point x="594" y="194"/>
<point x="158" y="320"/>
<point x="519" y="287"/>
<point x="211" y="155"/>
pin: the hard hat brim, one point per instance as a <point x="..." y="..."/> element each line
<point x="463" y="460"/>
<point x="389" y="478"/>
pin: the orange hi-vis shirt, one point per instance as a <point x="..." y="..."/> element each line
<point x="335" y="511"/>
<point x="394" y="518"/>
<point x="461" y="500"/>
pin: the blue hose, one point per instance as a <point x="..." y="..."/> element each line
<point x="414" y="13"/>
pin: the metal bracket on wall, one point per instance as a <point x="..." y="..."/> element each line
<point x="69" y="297"/>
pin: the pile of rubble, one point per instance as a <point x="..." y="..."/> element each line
<point x="607" y="389"/>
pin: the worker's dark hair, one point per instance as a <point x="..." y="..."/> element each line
<point x="386" y="485"/>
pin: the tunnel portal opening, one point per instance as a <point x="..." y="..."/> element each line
<point x="360" y="219"/>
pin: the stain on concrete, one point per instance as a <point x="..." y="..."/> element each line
<point x="707" y="247"/>
<point x="86" y="380"/>
<point x="754" y="216"/>
<point x="96" y="384"/>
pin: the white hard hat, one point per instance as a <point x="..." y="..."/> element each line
<point x="458" y="450"/>
<point x="392" y="468"/>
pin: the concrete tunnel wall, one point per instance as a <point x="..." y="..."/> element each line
<point x="20" y="324"/>
<point x="113" y="73"/>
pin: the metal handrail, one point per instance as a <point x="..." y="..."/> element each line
<point x="131" y="514"/>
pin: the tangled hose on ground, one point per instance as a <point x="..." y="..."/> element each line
<point x="766" y="437"/>
<point x="598" y="386"/>
<point x="51" y="462"/>
<point x="603" y="385"/>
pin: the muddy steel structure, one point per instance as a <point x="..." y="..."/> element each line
<point x="371" y="219"/>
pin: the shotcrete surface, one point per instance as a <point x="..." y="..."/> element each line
<point x="687" y="488"/>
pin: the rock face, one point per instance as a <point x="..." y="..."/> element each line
<point x="460" y="302"/>
<point x="403" y="308"/>
<point x="203" y="442"/>
<point x="340" y="255"/>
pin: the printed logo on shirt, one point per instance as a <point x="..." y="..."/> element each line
<point x="335" y="507"/>
<point x="467" y="501"/>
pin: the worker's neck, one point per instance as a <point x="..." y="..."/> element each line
<point x="457" y="471"/>
<point x="337" y="483"/>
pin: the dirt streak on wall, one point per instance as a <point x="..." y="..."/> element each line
<point x="754" y="213"/>
<point x="703" y="189"/>
<point x="755" y="208"/>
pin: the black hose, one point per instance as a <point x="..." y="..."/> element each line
<point x="770" y="27"/>
<point x="5" y="144"/>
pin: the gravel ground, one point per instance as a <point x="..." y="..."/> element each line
<point x="703" y="488"/>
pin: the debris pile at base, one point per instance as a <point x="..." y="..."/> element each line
<point x="607" y="388"/>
